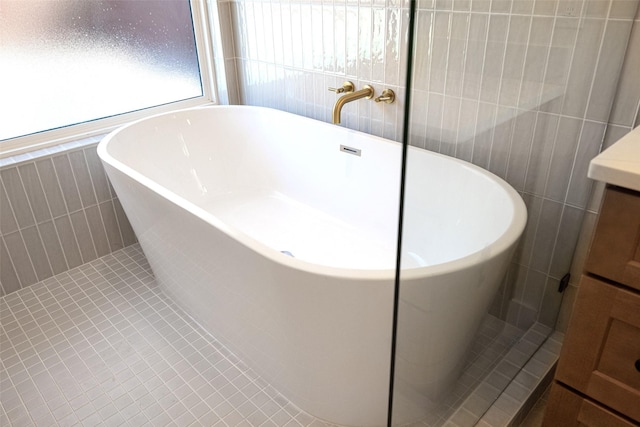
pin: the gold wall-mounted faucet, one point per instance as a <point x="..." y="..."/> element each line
<point x="387" y="96"/>
<point x="366" y="92"/>
<point x="347" y="87"/>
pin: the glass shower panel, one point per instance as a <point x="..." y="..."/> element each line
<point x="523" y="91"/>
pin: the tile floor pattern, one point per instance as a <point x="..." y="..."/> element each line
<point x="102" y="345"/>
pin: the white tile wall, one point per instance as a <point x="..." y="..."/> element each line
<point x="625" y="116"/>
<point x="288" y="53"/>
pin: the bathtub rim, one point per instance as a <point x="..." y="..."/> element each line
<point x="505" y="242"/>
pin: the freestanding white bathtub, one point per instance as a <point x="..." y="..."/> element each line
<point x="282" y="245"/>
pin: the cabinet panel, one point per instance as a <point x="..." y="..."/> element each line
<point x="568" y="409"/>
<point x="615" y="249"/>
<point x="620" y="352"/>
<point x="602" y="345"/>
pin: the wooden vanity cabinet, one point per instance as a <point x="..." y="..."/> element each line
<point x="597" y="381"/>
<point x="615" y="248"/>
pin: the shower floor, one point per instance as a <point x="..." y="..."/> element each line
<point x="102" y="345"/>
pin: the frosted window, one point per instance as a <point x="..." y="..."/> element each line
<point x="65" y="62"/>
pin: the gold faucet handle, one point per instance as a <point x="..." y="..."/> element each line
<point x="387" y="96"/>
<point x="347" y="87"/>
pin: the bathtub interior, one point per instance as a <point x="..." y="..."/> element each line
<point x="283" y="190"/>
<point x="474" y="211"/>
<point x="278" y="190"/>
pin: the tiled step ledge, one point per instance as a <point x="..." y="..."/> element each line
<point x="513" y="404"/>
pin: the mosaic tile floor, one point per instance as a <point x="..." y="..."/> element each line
<point x="102" y="345"/>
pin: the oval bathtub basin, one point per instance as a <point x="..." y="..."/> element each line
<point x="278" y="234"/>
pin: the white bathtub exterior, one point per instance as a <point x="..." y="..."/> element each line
<point x="317" y="326"/>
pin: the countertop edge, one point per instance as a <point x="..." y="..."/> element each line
<point x="619" y="164"/>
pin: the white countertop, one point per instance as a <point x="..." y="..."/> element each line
<point x="619" y="164"/>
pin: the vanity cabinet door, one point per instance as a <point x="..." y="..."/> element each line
<point x="600" y="356"/>
<point x="568" y="409"/>
<point x="615" y="249"/>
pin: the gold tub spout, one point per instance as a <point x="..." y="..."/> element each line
<point x="365" y="92"/>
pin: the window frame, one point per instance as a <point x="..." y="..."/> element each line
<point x="203" y="37"/>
